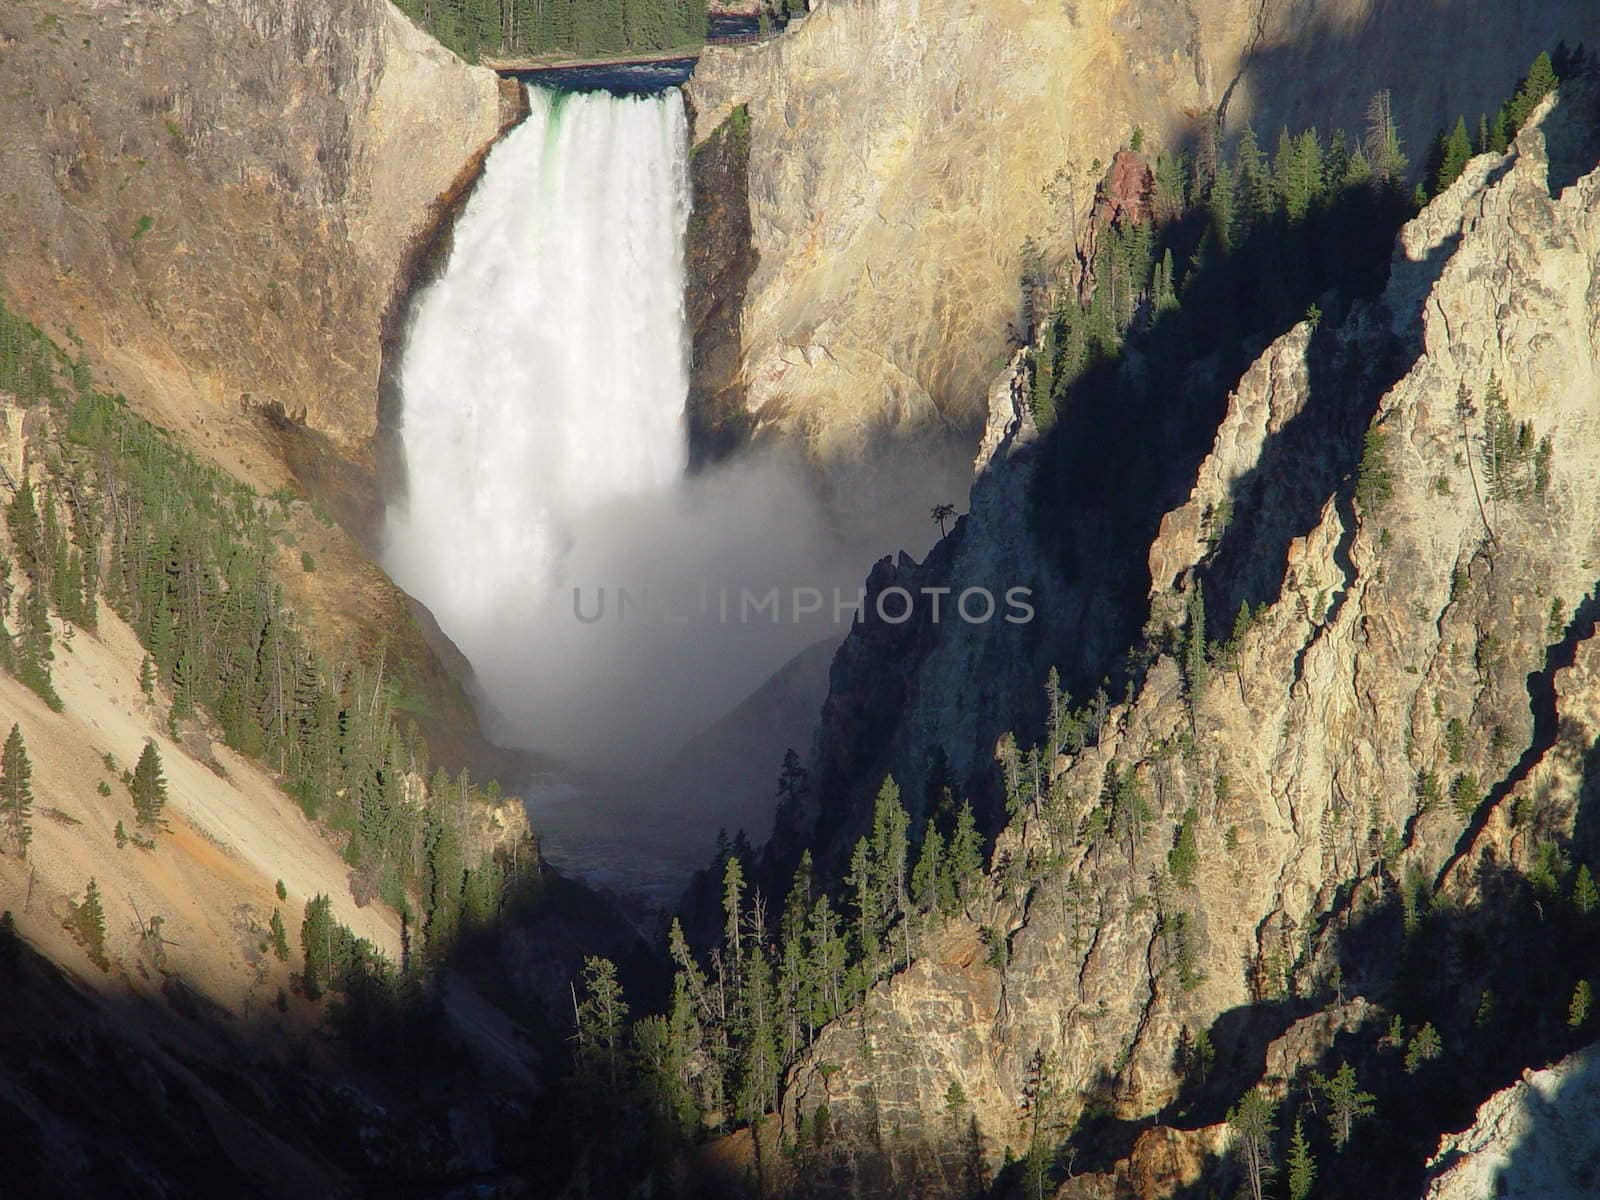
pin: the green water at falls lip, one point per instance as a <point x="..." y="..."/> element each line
<point x="619" y="79"/>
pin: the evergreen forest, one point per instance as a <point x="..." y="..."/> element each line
<point x="521" y="28"/>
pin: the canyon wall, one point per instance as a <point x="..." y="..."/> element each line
<point x="901" y="150"/>
<point x="220" y="198"/>
<point x="224" y="202"/>
<point x="1440" y="628"/>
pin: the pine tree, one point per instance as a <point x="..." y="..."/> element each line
<point x="1582" y="1002"/>
<point x="793" y="786"/>
<point x="1130" y="809"/>
<point x="1539" y="83"/>
<point x="1337" y="163"/>
<point x="183" y="684"/>
<point x="796" y="980"/>
<point x="33" y="653"/>
<point x="87" y="921"/>
<point x="601" y="1018"/>
<point x="1302" y="1167"/>
<point x="279" y="937"/>
<point x="27" y="536"/>
<point x="758" y="1056"/>
<point x="1220" y="206"/>
<point x="928" y="878"/>
<point x="1455" y="152"/>
<point x="732" y="911"/>
<point x="889" y="857"/>
<point x="1042" y="1112"/>
<point x="697" y="1021"/>
<point x="1257" y="201"/>
<point x="1358" y="172"/>
<point x="1041" y="400"/>
<point x="1424" y="1047"/>
<point x="1163" y="289"/>
<point x="1196" y="670"/>
<point x="317" y="945"/>
<point x="860" y="880"/>
<point x="481" y="893"/>
<point x="1382" y="143"/>
<point x="828" y="956"/>
<point x="16" y="791"/>
<point x="1201" y="1058"/>
<point x="1184" y="859"/>
<point x="147" y="678"/>
<point x="1297" y="168"/>
<point x="66" y="586"/>
<point x="1347" y="1103"/>
<point x="1375" y="479"/>
<point x="1253" y="1125"/>
<point x="659" y="1063"/>
<point x="1011" y="773"/>
<point x="1585" y="896"/>
<point x="149" y="787"/>
<point x="965" y="867"/>
<point x="444" y="870"/>
<point x="1171" y="176"/>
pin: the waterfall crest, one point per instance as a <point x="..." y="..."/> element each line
<point x="546" y="370"/>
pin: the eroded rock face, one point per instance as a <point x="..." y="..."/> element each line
<point x="901" y="150"/>
<point x="1538" y="1138"/>
<point x="219" y="197"/>
<point x="224" y="201"/>
<point x="1463" y="595"/>
<point x="720" y="261"/>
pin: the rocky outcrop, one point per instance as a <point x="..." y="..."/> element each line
<point x="1440" y="626"/>
<point x="720" y="261"/>
<point x="219" y="198"/>
<point x="1538" y="1138"/>
<point x="901" y="151"/>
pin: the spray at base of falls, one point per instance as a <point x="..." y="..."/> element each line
<point x="543" y="387"/>
<point x="542" y="394"/>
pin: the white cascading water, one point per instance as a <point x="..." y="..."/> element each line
<point x="546" y="370"/>
<point x="543" y="390"/>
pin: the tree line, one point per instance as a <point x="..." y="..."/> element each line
<point x="1235" y="243"/>
<point x="475" y="28"/>
<point x="743" y="1009"/>
<point x="186" y="555"/>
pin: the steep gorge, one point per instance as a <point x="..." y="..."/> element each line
<point x="871" y="303"/>
<point x="1304" y="761"/>
<point x="902" y="150"/>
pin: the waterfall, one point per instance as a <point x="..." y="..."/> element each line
<point x="542" y="388"/>
<point x="545" y="372"/>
